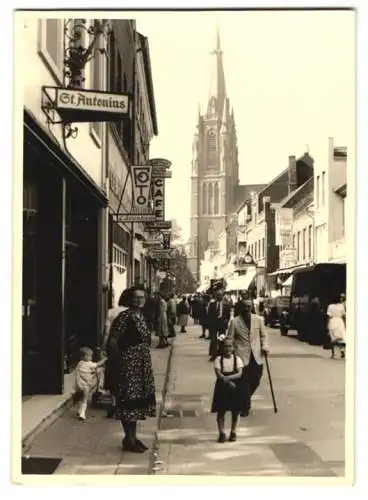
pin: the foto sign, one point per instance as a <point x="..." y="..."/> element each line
<point x="141" y="179"/>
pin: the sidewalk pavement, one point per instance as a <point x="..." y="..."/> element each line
<point x="305" y="437"/>
<point x="94" y="446"/>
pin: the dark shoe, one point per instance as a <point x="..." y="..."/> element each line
<point x="232" y="436"/>
<point x="133" y="447"/>
<point x="221" y="438"/>
<point x="142" y="445"/>
<point x="202" y="337"/>
<point x="212" y="359"/>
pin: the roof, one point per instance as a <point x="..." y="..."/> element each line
<point x="243" y="193"/>
<point x="298" y="194"/>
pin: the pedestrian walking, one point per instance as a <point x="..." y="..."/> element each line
<point x="203" y="315"/>
<point x="195" y="309"/>
<point x="171" y="315"/>
<point x="163" y="329"/>
<point x="183" y="310"/>
<point x="228" y="392"/>
<point x="249" y="335"/>
<point x="86" y="379"/>
<point x="219" y="312"/>
<point x="336" y="327"/>
<point x="129" y="340"/>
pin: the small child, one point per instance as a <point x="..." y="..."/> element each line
<point x="86" y="378"/>
<point x="229" y="390"/>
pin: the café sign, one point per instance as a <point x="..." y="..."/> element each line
<point x="75" y="105"/>
<point x="162" y="254"/>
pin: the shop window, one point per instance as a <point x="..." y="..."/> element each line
<point x="119" y="259"/>
<point x="51" y="46"/>
<point x="304" y="243"/>
<point x="310" y="241"/>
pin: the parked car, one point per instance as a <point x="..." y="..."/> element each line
<point x="324" y="281"/>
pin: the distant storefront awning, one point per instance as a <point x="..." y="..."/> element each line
<point x="241" y="282"/>
<point x="287" y="270"/>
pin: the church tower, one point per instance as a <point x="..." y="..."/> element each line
<point x="215" y="171"/>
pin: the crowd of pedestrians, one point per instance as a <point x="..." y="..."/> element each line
<point x="238" y="346"/>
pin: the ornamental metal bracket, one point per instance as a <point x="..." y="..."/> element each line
<point x="77" y="53"/>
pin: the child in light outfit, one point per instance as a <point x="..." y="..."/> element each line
<point x="86" y="378"/>
<point x="229" y="389"/>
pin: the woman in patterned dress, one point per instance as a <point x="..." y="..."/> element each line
<point x="135" y="396"/>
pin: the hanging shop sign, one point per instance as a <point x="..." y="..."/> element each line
<point x="74" y="105"/>
<point x="141" y="209"/>
<point x="166" y="240"/>
<point x="161" y="173"/>
<point x="160" y="162"/>
<point x="152" y="244"/>
<point x="288" y="258"/>
<point x="158" y="197"/>
<point x="158" y="225"/>
<point x="141" y="180"/>
<point x="162" y="253"/>
<point x="136" y="215"/>
<point x="284" y="226"/>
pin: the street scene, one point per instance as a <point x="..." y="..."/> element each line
<point x="185" y="239"/>
<point x="305" y="438"/>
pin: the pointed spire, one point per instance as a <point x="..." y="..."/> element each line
<point x="217" y="92"/>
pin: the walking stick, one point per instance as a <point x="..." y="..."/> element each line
<point x="271" y="386"/>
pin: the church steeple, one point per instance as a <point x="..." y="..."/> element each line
<point x="217" y="92"/>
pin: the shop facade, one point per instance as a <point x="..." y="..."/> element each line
<point x="62" y="262"/>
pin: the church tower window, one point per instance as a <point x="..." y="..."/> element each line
<point x="205" y="199"/>
<point x="210" y="199"/>
<point x="217" y="199"/>
<point x="211" y="148"/>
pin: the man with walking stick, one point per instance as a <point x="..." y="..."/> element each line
<point x="250" y="339"/>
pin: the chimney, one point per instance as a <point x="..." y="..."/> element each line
<point x="292" y="176"/>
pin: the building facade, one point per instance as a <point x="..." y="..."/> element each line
<point x="257" y="224"/>
<point x="330" y="191"/>
<point x="73" y="181"/>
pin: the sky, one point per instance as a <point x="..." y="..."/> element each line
<point x="290" y="77"/>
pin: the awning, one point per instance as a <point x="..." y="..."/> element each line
<point x="287" y="270"/>
<point x="289" y="281"/>
<point x="241" y="282"/>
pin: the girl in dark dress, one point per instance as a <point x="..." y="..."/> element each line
<point x="228" y="394"/>
<point x="135" y="392"/>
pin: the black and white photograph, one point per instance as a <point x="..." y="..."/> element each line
<point x="185" y="270"/>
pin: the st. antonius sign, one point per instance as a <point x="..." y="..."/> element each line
<point x="158" y="225"/>
<point x="136" y="215"/>
<point x="77" y="106"/>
